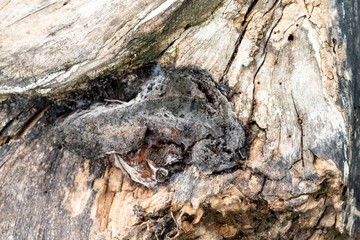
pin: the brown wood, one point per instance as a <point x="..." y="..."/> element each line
<point x="287" y="68"/>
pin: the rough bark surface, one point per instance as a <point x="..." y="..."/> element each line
<point x="285" y="69"/>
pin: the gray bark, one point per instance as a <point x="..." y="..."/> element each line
<point x="261" y="142"/>
<point x="349" y="23"/>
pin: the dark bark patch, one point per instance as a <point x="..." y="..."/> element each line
<point x="179" y="118"/>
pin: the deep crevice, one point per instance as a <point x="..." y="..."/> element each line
<point x="238" y="40"/>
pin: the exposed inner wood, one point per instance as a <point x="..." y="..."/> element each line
<point x="286" y="66"/>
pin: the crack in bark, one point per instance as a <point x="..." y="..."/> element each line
<point x="32" y="13"/>
<point x="226" y="7"/>
<point x="312" y="8"/>
<point x="291" y="25"/>
<point x="263" y="183"/>
<point x="31" y="123"/>
<point x="322" y="214"/>
<point x="300" y="124"/>
<point x="8" y="124"/>
<point x="244" y="24"/>
<point x="25" y="128"/>
<point x="264" y="59"/>
<point x="294" y="163"/>
<point x="272" y="29"/>
<point x="271" y="8"/>
<point x="173" y="42"/>
<point x="251" y="7"/>
<point x="254" y="86"/>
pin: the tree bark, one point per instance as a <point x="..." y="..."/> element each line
<point x="279" y="148"/>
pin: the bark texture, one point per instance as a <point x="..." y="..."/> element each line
<point x="285" y="69"/>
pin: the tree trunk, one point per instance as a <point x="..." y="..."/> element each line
<point x="179" y="119"/>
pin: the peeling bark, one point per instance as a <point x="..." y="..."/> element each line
<point x="289" y="68"/>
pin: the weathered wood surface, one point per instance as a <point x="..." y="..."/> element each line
<point x="289" y="69"/>
<point x="349" y="23"/>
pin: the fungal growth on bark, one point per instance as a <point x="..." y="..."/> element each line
<point x="178" y="119"/>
